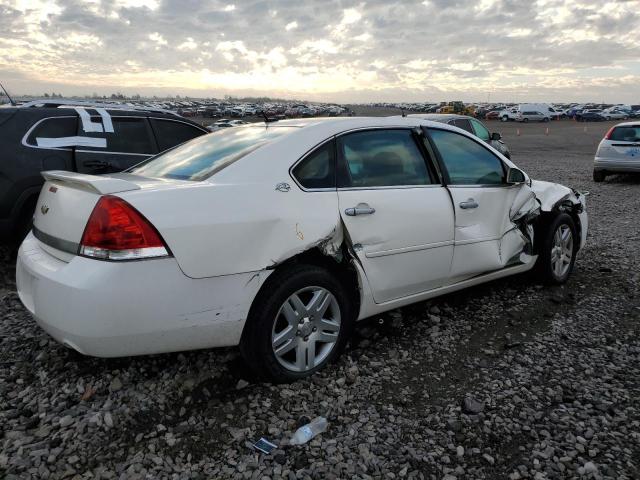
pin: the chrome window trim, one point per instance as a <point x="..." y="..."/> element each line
<point x="107" y="152"/>
<point x="391" y="187"/>
<point x="26" y="135"/>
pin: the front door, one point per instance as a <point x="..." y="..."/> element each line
<point x="482" y="200"/>
<point x="398" y="216"/>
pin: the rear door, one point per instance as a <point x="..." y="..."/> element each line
<point x="397" y="214"/>
<point x="130" y="143"/>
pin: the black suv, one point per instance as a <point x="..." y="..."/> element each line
<point x="75" y="136"/>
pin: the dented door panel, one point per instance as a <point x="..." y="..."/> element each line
<point x="406" y="245"/>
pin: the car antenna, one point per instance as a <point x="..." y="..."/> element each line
<point x="267" y="119"/>
<point x="13" y="103"/>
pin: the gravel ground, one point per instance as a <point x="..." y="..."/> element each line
<point x="507" y="380"/>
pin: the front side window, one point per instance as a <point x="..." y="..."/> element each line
<point x="466" y="161"/>
<point x="381" y="158"/>
<point x="170" y="133"/>
<point x="481" y="131"/>
<point x="317" y="170"/>
<point x="208" y="154"/>
<point x="56" y="127"/>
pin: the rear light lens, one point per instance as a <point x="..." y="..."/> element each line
<point x="117" y="231"/>
<point x="609" y="133"/>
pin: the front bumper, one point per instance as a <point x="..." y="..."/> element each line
<point x="115" y="309"/>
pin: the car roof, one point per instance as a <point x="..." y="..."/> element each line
<point x="337" y="125"/>
<point x="439" y="117"/>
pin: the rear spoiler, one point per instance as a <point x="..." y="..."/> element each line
<point x="103" y="185"/>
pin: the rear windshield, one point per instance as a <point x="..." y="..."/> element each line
<point x="626" y="134"/>
<point x="202" y="157"/>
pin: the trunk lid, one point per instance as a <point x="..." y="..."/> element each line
<point x="67" y="200"/>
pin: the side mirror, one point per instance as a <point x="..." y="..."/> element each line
<point x="515" y="176"/>
<point x="496" y="136"/>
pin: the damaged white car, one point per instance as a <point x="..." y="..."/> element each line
<point x="278" y="237"/>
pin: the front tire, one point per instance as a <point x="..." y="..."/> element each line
<point x="299" y="322"/>
<point x="558" y="250"/>
<point x="526" y="120"/>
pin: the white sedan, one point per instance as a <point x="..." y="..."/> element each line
<point x="278" y="237"/>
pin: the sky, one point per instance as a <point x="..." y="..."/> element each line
<point x="326" y="50"/>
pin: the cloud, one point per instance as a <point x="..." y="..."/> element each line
<point x="327" y="49"/>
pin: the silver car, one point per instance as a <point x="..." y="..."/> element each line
<point x="471" y="125"/>
<point x="618" y="152"/>
<point x="532" y="116"/>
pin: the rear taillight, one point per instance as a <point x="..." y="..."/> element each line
<point x="117" y="231"/>
<point x="609" y="133"/>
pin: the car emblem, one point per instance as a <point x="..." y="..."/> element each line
<point x="283" y="187"/>
<point x="44" y="209"/>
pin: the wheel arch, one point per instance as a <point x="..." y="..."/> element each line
<point x="340" y="264"/>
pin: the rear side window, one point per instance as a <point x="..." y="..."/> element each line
<point x="130" y="135"/>
<point x="57" y="127"/>
<point x="169" y="133"/>
<point x="467" y="162"/>
<point x="317" y="170"/>
<point x="208" y="154"/>
<point x="381" y="158"/>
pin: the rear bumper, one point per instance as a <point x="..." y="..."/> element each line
<point x="616" y="165"/>
<point x="111" y="309"/>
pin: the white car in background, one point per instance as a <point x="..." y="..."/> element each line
<point x="279" y="236"/>
<point x="618" y="151"/>
<point x="508" y="114"/>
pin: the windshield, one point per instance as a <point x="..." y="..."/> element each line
<point x="202" y="157"/>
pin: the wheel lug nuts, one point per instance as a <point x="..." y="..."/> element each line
<point x="315" y="329"/>
<point x="298" y="333"/>
<point x="306" y="338"/>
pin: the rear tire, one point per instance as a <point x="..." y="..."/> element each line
<point x="546" y="119"/>
<point x="505" y="118"/>
<point x="285" y="337"/>
<point x="525" y="120"/>
<point x="557" y="253"/>
<point x="599" y="176"/>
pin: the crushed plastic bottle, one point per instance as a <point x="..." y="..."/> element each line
<point x="308" y="431"/>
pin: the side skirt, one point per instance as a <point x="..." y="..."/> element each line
<point x="370" y="308"/>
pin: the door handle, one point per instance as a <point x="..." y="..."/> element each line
<point x="470" y="203"/>
<point x="361" y="209"/>
<point x="96" y="164"/>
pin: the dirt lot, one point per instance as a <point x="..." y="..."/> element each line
<point x="551" y="376"/>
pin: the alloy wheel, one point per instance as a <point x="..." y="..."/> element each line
<point x="562" y="251"/>
<point x="306" y="329"/>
